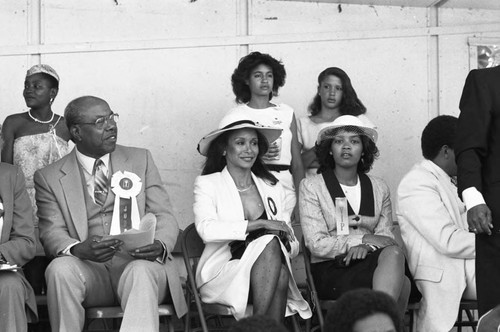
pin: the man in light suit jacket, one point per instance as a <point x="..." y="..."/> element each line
<point x="478" y="160"/>
<point x="76" y="209"/>
<point x="440" y="249"/>
<point x="17" y="246"/>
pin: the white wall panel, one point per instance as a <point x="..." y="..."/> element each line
<point x="67" y="21"/>
<point x="300" y="17"/>
<point x="14" y="22"/>
<point x="12" y="70"/>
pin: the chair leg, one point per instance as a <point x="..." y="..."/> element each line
<point x="412" y="320"/>
<point x="308" y="324"/>
<point x="170" y="325"/>
<point x="471" y="318"/>
<point x="459" y="321"/>
<point x="295" y="323"/>
<point x="187" y="321"/>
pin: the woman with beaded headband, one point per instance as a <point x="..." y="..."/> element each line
<point x="255" y="81"/>
<point x="335" y="97"/>
<point x="32" y="140"/>
<point x="240" y="215"/>
<point x="358" y="249"/>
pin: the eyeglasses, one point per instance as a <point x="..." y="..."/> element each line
<point x="103" y="120"/>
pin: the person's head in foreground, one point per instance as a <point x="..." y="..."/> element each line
<point x="364" y="310"/>
<point x="257" y="323"/>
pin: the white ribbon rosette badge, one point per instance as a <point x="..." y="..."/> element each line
<point x="125" y="185"/>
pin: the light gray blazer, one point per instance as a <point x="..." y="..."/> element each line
<point x="434" y="229"/>
<point x="317" y="218"/>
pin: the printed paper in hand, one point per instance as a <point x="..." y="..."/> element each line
<point x="135" y="238"/>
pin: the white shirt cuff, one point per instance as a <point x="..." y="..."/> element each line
<point x="472" y="197"/>
<point x="67" y="251"/>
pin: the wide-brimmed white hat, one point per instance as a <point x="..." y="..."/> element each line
<point x="234" y="121"/>
<point x="351" y="123"/>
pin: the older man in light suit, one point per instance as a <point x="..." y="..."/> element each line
<point x="17" y="247"/>
<point x="433" y="224"/>
<point x="76" y="209"/>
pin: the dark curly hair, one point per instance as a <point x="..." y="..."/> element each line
<point x="358" y="304"/>
<point x="242" y="73"/>
<point x="216" y="161"/>
<point x="350" y="104"/>
<point x="325" y="160"/>
<point x="441" y="130"/>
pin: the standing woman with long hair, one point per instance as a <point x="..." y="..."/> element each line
<point x="33" y="140"/>
<point x="255" y="81"/>
<point x="335" y="97"/>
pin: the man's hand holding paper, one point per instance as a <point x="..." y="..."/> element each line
<point x="150" y="252"/>
<point x="140" y="243"/>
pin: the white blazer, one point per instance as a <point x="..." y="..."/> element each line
<point x="440" y="249"/>
<point x="219" y="218"/>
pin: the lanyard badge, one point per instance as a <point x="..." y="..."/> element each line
<point x="341" y="216"/>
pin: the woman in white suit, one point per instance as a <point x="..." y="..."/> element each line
<point x="236" y="197"/>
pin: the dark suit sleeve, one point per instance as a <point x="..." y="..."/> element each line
<point x="20" y="248"/>
<point x="158" y="203"/>
<point x="473" y="128"/>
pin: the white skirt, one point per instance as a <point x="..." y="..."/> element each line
<point x="231" y="286"/>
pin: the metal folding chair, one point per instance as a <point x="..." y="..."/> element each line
<point x="317" y="305"/>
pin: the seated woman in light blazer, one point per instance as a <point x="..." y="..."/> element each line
<point x="365" y="254"/>
<point x="233" y="198"/>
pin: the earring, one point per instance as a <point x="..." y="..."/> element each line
<point x="331" y="153"/>
<point x="224" y="153"/>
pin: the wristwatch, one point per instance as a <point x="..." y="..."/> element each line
<point x="372" y="247"/>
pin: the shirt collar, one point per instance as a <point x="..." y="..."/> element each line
<point x="88" y="162"/>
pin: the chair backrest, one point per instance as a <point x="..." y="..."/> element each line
<point x="313" y="295"/>
<point x="307" y="262"/>
<point x="192" y="244"/>
<point x="192" y="248"/>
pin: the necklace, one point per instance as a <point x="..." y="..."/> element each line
<point x="242" y="190"/>
<point x="40" y="121"/>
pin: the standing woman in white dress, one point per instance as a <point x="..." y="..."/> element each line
<point x="235" y="197"/>
<point x="335" y="97"/>
<point x="33" y="140"/>
<point x="255" y="81"/>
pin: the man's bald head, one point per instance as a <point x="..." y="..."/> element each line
<point x="75" y="109"/>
